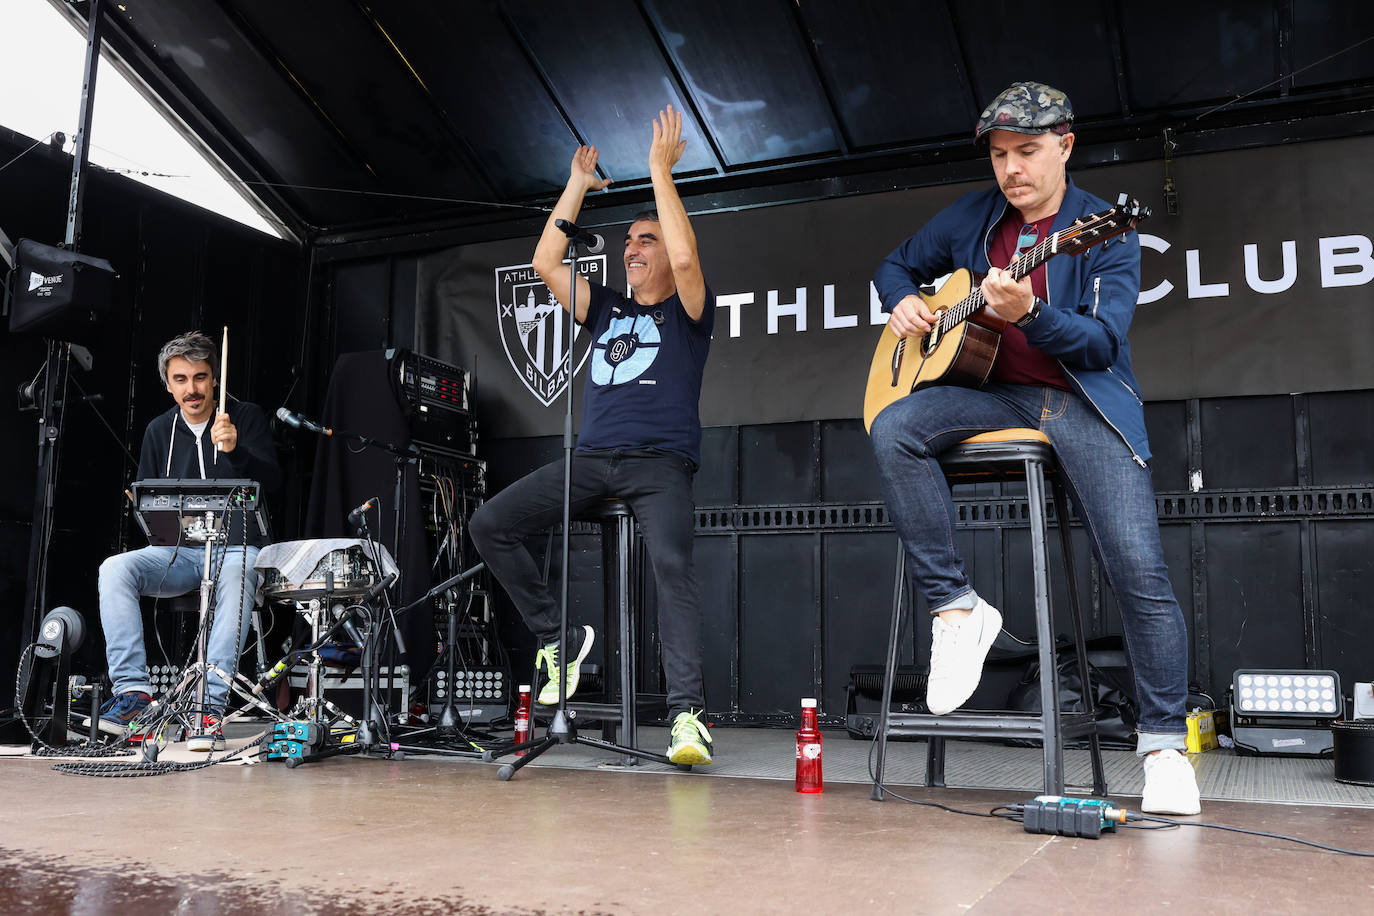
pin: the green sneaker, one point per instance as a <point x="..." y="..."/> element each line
<point x="548" y="659"/>
<point x="690" y="737"/>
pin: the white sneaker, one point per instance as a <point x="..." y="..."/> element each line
<point x="1170" y="785"/>
<point x="956" y="657"/>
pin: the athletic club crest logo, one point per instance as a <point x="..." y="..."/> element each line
<point x="534" y="327"/>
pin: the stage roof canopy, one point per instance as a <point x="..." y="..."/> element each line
<point x="358" y="118"/>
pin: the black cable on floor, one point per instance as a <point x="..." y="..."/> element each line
<point x="1169" y="822"/>
<point x="1013" y="812"/>
<point x="151" y="768"/>
<point x="929" y="804"/>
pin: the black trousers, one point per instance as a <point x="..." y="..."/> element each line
<point x="658" y="487"/>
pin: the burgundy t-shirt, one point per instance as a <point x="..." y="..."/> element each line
<point x="1017" y="361"/>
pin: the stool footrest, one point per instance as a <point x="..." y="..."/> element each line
<point x="986" y="725"/>
<point x="646" y="707"/>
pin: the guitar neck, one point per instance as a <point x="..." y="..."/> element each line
<point x="1022" y="267"/>
<point x="1083" y="234"/>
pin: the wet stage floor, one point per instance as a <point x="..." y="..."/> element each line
<point x="424" y="835"/>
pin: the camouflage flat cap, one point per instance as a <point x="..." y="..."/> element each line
<point x="1027" y="108"/>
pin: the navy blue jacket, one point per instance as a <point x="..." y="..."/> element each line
<point x="1092" y="297"/>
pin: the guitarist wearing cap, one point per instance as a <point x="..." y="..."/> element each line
<point x="1051" y="354"/>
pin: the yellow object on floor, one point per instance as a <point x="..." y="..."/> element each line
<point x="1202" y="732"/>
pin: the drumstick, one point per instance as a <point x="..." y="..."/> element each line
<point x="223" y="373"/>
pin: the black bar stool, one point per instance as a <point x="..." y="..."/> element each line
<point x="622" y="564"/>
<point x="1006" y="454"/>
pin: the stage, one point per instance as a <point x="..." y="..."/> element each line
<point x="575" y="833"/>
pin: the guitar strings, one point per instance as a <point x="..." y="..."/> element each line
<point x="974" y="300"/>
<point x="1033" y="258"/>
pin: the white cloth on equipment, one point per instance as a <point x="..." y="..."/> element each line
<point x="294" y="561"/>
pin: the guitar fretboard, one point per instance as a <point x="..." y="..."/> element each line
<point x="1083" y="234"/>
<point x="1019" y="269"/>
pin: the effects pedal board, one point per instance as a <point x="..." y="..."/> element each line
<point x="1075" y="817"/>
<point x="295" y="741"/>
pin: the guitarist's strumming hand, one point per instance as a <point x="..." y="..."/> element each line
<point x="1009" y="299"/>
<point x="910" y="317"/>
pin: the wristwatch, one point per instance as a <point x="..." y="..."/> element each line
<point x="1031" y="315"/>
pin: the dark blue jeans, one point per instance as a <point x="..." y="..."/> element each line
<point x="1114" y="497"/>
<point x="658" y="487"/>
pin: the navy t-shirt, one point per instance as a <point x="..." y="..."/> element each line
<point x="644" y="374"/>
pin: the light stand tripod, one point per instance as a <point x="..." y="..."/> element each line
<point x="563" y="729"/>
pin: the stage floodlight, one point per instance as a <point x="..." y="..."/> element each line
<point x="1284" y="711"/>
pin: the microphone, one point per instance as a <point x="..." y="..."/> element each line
<point x="379" y="587"/>
<point x="270" y="677"/>
<point x="300" y="422"/>
<point x="593" y="242"/>
<point x="352" y="632"/>
<point x="355" y="518"/>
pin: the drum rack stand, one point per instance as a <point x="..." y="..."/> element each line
<point x="313" y="705"/>
<point x="313" y="712"/>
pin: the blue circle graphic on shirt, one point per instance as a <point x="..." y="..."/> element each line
<point x="627" y="349"/>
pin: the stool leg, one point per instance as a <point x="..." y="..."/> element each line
<point x="1051" y="739"/>
<point x="629" y="698"/>
<point x="935" y="761"/>
<point x="611" y="649"/>
<point x="1061" y="510"/>
<point x="890" y="671"/>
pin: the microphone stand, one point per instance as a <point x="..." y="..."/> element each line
<point x="449" y="720"/>
<point x="562" y="729"/>
<point x="373" y="720"/>
<point x="372" y="726"/>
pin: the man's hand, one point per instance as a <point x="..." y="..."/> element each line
<point x="666" y="148"/>
<point x="1009" y="299"/>
<point x="583" y="170"/>
<point x="911" y="318"/>
<point x="224" y="434"/>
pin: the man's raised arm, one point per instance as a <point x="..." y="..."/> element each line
<point x="553" y="244"/>
<point x="678" y="237"/>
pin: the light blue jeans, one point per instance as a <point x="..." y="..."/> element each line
<point x="164" y="572"/>
<point x="1114" y="497"/>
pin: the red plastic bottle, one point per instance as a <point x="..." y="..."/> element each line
<point x="809" y="751"/>
<point x="522" y="718"/>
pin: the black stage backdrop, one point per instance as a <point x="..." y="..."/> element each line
<point x="180" y="268"/>
<point x="1260" y="284"/>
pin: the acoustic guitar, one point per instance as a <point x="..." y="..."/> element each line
<point x="961" y="346"/>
